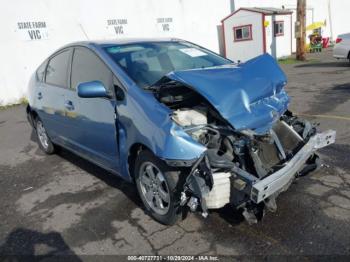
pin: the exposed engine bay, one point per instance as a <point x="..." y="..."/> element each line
<point x="240" y="167"/>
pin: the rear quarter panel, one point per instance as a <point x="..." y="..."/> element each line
<point x="342" y="49"/>
<point x="32" y="88"/>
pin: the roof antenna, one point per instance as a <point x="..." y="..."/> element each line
<point x="82" y="29"/>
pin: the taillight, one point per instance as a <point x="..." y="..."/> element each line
<point x="338" y="40"/>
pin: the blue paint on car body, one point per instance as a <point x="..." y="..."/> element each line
<point x="92" y="89"/>
<point x="248" y="96"/>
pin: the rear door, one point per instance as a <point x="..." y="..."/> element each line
<point x="92" y="121"/>
<point x="50" y="94"/>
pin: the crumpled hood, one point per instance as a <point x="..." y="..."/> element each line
<point x="248" y="95"/>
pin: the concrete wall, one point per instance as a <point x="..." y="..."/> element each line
<point x="33" y="29"/>
<point x="74" y="20"/>
<point x="243" y="50"/>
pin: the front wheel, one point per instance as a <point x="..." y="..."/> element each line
<point x="43" y="139"/>
<point x="157" y="187"/>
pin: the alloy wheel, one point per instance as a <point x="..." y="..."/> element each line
<point x="154" y="188"/>
<point x="44" y="140"/>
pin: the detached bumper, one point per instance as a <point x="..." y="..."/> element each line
<point x="280" y="180"/>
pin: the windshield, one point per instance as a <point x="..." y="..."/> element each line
<point x="148" y="62"/>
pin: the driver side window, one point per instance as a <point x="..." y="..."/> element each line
<point x="86" y="67"/>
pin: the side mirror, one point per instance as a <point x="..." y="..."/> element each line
<point x="92" y="89"/>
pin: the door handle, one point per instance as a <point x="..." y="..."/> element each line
<point x="69" y="105"/>
<point x="39" y="95"/>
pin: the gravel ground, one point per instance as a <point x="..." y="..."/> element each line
<point x="62" y="204"/>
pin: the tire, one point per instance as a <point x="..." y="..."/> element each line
<point x="165" y="180"/>
<point x="44" y="141"/>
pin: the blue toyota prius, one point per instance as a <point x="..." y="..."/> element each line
<point x="193" y="130"/>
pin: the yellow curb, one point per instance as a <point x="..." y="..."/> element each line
<point x="327" y="116"/>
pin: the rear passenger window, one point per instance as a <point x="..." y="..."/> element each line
<point x="57" y="69"/>
<point x="88" y="67"/>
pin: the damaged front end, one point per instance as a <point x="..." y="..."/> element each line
<point x="255" y="146"/>
<point x="249" y="172"/>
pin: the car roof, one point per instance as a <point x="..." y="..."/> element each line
<point x="121" y="41"/>
<point x="344" y="35"/>
<point x="111" y="42"/>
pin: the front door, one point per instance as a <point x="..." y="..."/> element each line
<point x="92" y="121"/>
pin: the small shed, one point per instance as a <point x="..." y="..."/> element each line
<point x="249" y="32"/>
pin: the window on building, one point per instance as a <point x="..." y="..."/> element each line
<point x="242" y="33"/>
<point x="279" y="28"/>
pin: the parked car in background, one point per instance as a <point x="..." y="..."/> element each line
<point x="341" y="48"/>
<point x="192" y="129"/>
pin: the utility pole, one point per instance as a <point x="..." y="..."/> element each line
<point x="300" y="32"/>
<point x="330" y="19"/>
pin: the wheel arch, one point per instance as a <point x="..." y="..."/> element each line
<point x="134" y="150"/>
<point x="32" y="115"/>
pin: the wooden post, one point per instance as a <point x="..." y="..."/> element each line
<point x="301" y="21"/>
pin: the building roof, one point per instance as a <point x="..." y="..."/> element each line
<point x="269" y="10"/>
<point x="262" y="10"/>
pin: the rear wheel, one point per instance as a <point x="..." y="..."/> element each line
<point x="157" y="186"/>
<point x="43" y="139"/>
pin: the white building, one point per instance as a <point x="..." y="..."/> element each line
<point x="334" y="12"/>
<point x="249" y="32"/>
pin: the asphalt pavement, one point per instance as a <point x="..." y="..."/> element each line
<point x="62" y="204"/>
